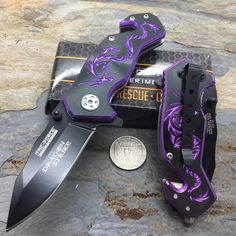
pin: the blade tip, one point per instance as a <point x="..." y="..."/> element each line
<point x="10" y="226"/>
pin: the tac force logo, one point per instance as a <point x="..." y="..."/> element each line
<point x="46" y="141"/>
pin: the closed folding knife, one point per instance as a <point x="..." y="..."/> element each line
<point x="187" y="137"/>
<point x="85" y="107"/>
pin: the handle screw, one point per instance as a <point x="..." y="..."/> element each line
<point x="56" y="115"/>
<point x="111" y="38"/>
<point x="187" y="208"/>
<point x="132" y="18"/>
<point x="169" y="156"/>
<point x="181" y="73"/>
<point x="175" y="196"/>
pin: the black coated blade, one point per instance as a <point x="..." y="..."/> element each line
<point x="50" y="160"/>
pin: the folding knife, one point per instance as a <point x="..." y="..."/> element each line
<point x="187" y="137"/>
<point x="81" y="111"/>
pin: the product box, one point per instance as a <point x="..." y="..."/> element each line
<point x="138" y="102"/>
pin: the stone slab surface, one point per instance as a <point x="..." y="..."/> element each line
<point x="97" y="198"/>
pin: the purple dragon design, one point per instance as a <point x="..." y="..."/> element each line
<point x="175" y="119"/>
<point x="99" y="66"/>
<point x="203" y="196"/>
<point x="174" y="127"/>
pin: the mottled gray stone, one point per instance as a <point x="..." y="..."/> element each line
<point x="226" y="117"/>
<point x="6" y="192"/>
<point x="97" y="198"/>
<point x="20" y="131"/>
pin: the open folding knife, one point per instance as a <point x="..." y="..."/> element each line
<point x="81" y="111"/>
<point x="187" y="137"/>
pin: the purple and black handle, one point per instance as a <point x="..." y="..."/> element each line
<point x="110" y="66"/>
<point x="187" y="136"/>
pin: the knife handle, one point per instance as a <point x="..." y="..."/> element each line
<point x="186" y="120"/>
<point x="109" y="67"/>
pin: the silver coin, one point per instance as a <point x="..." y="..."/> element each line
<point x="128" y="153"/>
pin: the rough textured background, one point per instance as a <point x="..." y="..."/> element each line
<point x="97" y="198"/>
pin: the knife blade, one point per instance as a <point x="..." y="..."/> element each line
<point x="85" y="107"/>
